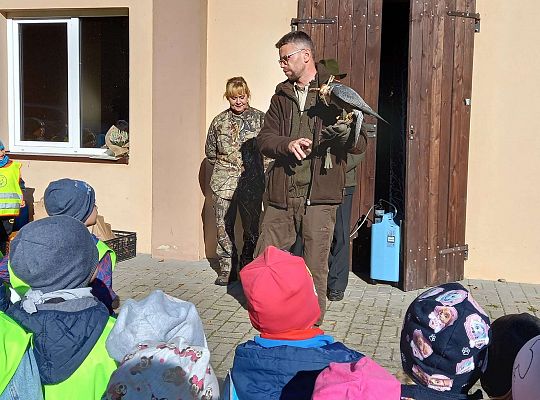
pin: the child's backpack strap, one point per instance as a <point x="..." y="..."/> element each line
<point x="229" y="391"/>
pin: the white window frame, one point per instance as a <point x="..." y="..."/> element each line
<point x="73" y="145"/>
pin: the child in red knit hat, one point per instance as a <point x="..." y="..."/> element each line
<point x="284" y="361"/>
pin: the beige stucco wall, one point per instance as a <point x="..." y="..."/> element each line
<point x="122" y="191"/>
<point x="179" y="80"/>
<point x="159" y="193"/>
<point x="181" y="53"/>
<point x="503" y="223"/>
<point x="241" y="39"/>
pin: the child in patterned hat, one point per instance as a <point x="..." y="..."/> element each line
<point x="444" y="344"/>
<point x="162" y="350"/>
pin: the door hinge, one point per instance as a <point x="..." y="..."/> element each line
<point x="458" y="249"/>
<point x="466" y="14"/>
<point x="314" y="21"/>
<point x="370" y="130"/>
<point x="411" y="132"/>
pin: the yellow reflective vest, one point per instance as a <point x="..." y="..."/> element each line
<point x="10" y="190"/>
<point x="103" y="248"/>
<point x="90" y="380"/>
<point x="20" y="286"/>
<point x="14" y="341"/>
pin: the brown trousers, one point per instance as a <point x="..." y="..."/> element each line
<point x="315" y="225"/>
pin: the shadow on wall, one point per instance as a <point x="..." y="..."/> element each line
<point x="207" y="212"/>
<point x="207" y="216"/>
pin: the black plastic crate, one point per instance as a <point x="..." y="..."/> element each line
<point x="124" y="245"/>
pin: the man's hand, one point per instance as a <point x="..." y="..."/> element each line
<point x="300" y="148"/>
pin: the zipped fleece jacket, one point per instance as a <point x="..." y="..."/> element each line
<point x="327" y="184"/>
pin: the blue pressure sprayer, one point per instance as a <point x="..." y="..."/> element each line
<point x="385" y="246"/>
<point x="385" y="243"/>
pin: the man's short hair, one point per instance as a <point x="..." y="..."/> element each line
<point x="299" y="38"/>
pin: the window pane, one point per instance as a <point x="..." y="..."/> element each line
<point x="44" y="82"/>
<point x="104" y="77"/>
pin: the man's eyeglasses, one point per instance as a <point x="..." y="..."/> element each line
<point x="285" y="59"/>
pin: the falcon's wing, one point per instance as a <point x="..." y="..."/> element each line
<point x="345" y="94"/>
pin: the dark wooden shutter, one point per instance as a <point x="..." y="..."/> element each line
<point x="355" y="42"/>
<point x="440" y="78"/>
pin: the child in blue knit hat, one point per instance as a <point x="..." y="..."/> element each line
<point x="67" y="324"/>
<point x="77" y="199"/>
<point x="11" y="196"/>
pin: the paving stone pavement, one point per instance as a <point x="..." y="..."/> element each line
<point x="369" y="319"/>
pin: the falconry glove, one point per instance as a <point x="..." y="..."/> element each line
<point x="340" y="131"/>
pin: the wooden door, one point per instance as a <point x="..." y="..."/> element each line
<point x="440" y="76"/>
<point x="354" y="40"/>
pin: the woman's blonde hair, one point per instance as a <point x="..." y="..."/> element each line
<point x="236" y="86"/>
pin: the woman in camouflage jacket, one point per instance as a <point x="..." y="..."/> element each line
<point x="237" y="181"/>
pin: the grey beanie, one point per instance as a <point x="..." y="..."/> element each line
<point x="70" y="197"/>
<point x="54" y="253"/>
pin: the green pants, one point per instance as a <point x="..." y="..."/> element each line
<point x="315" y="225"/>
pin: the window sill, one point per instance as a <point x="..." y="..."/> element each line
<point x="68" y="158"/>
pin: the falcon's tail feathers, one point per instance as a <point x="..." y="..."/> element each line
<point x="379" y="117"/>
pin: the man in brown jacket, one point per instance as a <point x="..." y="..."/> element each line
<point x="310" y="148"/>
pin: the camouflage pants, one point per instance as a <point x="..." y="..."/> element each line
<point x="225" y="212"/>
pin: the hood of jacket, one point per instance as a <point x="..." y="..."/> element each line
<point x="157" y="317"/>
<point x="283" y="372"/>
<point x="64" y="334"/>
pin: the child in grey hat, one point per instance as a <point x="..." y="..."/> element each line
<point x="78" y="200"/>
<point x="69" y="325"/>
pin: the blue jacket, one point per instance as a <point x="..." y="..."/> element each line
<point x="62" y="338"/>
<point x="265" y="369"/>
<point x="4" y="296"/>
